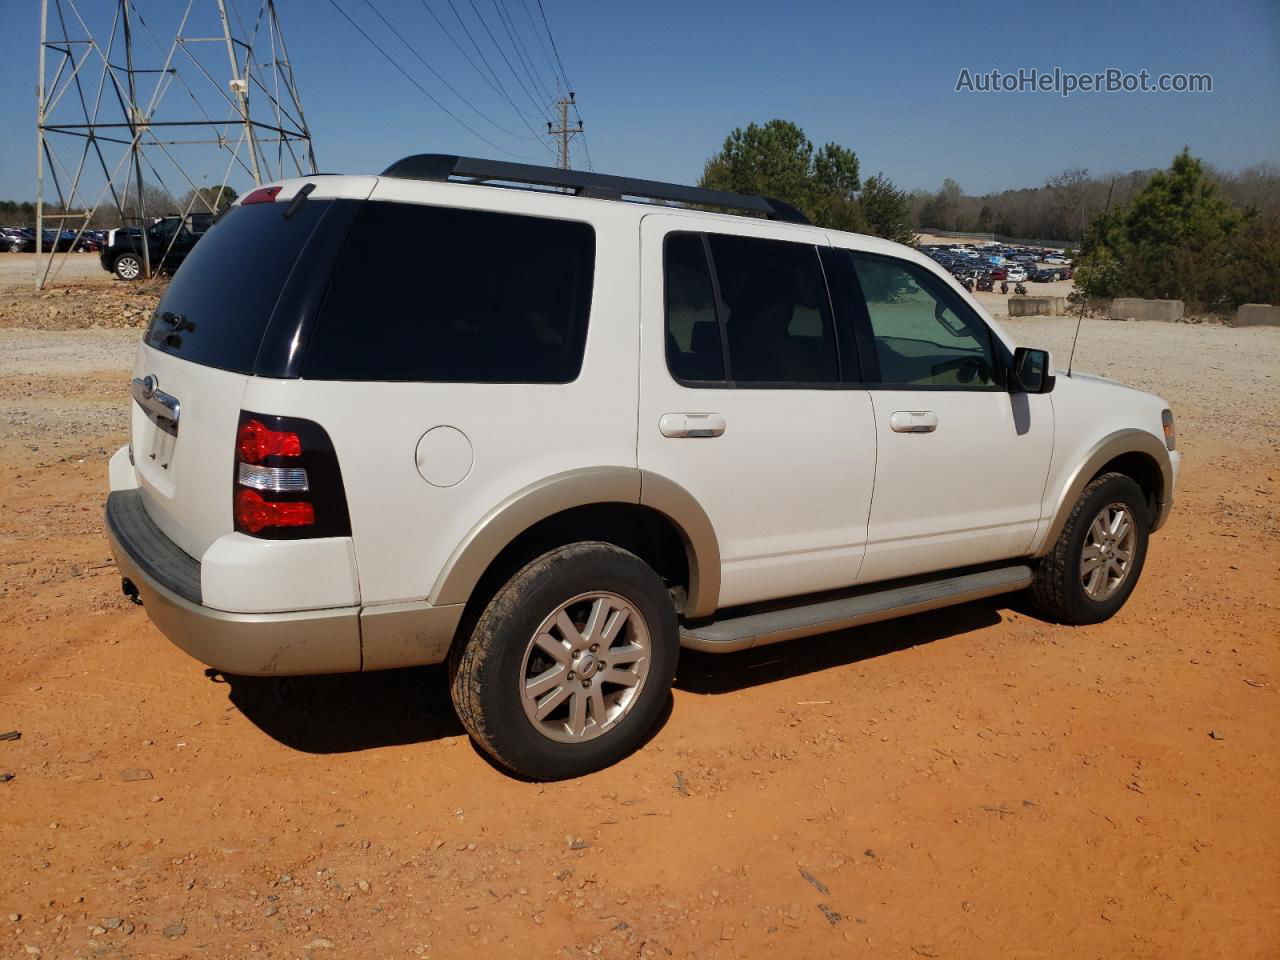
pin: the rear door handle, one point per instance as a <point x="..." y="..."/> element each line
<point x="914" y="421"/>
<point x="691" y="425"/>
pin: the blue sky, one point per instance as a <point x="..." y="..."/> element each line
<point x="661" y="83"/>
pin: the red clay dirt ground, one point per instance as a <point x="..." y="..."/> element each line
<point x="971" y="783"/>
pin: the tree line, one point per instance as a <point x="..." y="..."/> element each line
<point x="1065" y="205"/>
<point x="156" y="202"/>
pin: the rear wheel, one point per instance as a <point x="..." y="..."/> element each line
<point x="15" y="248"/>
<point x="570" y="664"/>
<point x="1097" y="560"/>
<point x="128" y="266"/>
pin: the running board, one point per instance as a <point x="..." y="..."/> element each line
<point x="869" y="606"/>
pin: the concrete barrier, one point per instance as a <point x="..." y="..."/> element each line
<point x="1135" y="308"/>
<point x="1022" y="306"/>
<point x="1257" y="315"/>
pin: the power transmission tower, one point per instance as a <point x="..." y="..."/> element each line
<point x="105" y="127"/>
<point x="564" y="132"/>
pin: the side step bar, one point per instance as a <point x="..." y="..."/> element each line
<point x="880" y="602"/>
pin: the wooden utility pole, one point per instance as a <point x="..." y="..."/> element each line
<point x="564" y="132"/>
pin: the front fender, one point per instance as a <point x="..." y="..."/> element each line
<point x="1117" y="444"/>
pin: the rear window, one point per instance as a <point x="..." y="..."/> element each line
<point x="219" y="301"/>
<point x="440" y="294"/>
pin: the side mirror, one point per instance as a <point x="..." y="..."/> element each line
<point x="1032" y="371"/>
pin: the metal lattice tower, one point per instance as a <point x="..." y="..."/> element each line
<point x="116" y="105"/>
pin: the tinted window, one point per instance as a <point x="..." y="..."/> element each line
<point x="923" y="336"/>
<point x="438" y="294"/>
<point x="693" y="337"/>
<point x="227" y="288"/>
<point x="777" y="317"/>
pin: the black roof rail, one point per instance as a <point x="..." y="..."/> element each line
<point x="600" y="186"/>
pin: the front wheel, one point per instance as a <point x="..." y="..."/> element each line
<point x="128" y="267"/>
<point x="1094" y="566"/>
<point x="570" y="665"/>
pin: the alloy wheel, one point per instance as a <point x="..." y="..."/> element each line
<point x="1107" y="555"/>
<point x="585" y="666"/>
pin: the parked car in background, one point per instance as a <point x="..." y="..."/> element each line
<point x="1041" y="275"/>
<point x="1016" y="274"/>
<point x="18" y="239"/>
<point x="168" y="242"/>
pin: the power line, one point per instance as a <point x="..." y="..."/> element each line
<point x="425" y="92"/>
<point x="436" y="74"/>
<point x="528" y="12"/>
<point x="504" y="17"/>
<point x="493" y="84"/>
<point x="546" y="26"/>
<point x="484" y="23"/>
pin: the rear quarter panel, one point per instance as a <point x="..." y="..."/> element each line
<point x="405" y="529"/>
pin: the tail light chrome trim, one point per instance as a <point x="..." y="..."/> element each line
<point x="273" y="479"/>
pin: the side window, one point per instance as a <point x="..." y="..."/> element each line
<point x="425" y="293"/>
<point x="693" y="335"/>
<point x="777" y="317"/>
<point x="921" y="339"/>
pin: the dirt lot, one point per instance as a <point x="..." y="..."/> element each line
<point x="968" y="783"/>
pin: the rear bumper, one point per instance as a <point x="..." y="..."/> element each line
<point x="249" y="644"/>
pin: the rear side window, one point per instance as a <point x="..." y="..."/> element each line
<point x="218" y="304"/>
<point x="768" y="304"/>
<point x="694" y="350"/>
<point x="426" y="293"/>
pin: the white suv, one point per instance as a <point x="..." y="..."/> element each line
<point x="550" y="437"/>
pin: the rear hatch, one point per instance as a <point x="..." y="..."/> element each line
<point x="232" y="311"/>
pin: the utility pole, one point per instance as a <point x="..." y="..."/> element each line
<point x="564" y="131"/>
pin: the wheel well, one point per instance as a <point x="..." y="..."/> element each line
<point x="1144" y="471"/>
<point x="650" y="535"/>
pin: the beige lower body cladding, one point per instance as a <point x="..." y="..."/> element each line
<point x="1135" y="308"/>
<point x="1020" y="306"/>
<point x="1257" y="315"/>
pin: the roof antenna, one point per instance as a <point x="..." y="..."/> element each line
<point x="1080" y="319"/>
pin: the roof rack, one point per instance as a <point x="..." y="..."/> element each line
<point x="600" y="186"/>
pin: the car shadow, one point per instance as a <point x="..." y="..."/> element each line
<point x="347" y="712"/>
<point x="709" y="673"/>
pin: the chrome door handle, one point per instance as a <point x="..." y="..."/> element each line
<point x="914" y="421"/>
<point x="691" y="425"/>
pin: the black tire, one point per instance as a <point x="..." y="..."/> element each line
<point x="15" y="248"/>
<point x="1058" y="589"/>
<point x="127" y="266"/>
<point x="486" y="673"/>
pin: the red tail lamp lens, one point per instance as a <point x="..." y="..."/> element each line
<point x="254" y="514"/>
<point x="255" y="441"/>
<point x="261" y="195"/>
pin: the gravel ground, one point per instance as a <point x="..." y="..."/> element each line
<point x="1209" y="374"/>
<point x="20" y="270"/>
<point x="965" y="784"/>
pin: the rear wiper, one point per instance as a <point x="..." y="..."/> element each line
<point x="298" y="200"/>
<point x="177" y="321"/>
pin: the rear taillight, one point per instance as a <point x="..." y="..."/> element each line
<point x="287" y="484"/>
